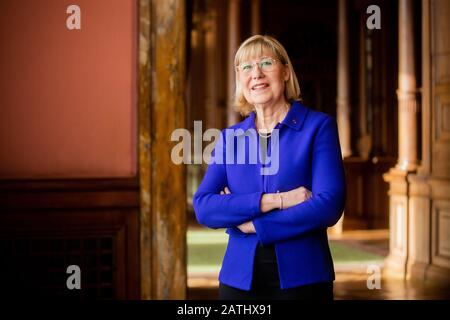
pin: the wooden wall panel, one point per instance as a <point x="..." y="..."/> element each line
<point x="45" y="226"/>
<point x="367" y="205"/>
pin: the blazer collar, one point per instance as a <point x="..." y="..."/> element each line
<point x="248" y="123"/>
<point x="296" y="116"/>
<point x="294" y="119"/>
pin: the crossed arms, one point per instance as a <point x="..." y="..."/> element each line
<point x="302" y="210"/>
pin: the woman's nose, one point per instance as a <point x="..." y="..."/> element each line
<point x="256" y="71"/>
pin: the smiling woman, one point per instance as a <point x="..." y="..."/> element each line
<point x="277" y="246"/>
<point x="276" y="67"/>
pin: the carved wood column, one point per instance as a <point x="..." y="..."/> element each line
<point x="162" y="35"/>
<point x="234" y="31"/>
<point x="211" y="101"/>
<point x="343" y="93"/>
<point x="343" y="81"/>
<point x="398" y="177"/>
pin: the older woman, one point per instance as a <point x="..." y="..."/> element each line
<point x="277" y="222"/>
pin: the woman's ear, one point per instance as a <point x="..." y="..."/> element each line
<point x="287" y="73"/>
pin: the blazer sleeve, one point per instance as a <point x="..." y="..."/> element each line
<point x="326" y="205"/>
<point x="222" y="211"/>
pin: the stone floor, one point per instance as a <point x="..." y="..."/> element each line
<point x="354" y="287"/>
<point x="351" y="280"/>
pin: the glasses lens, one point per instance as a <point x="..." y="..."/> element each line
<point x="267" y="64"/>
<point x="246" y="67"/>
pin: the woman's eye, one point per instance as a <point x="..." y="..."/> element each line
<point x="266" y="63"/>
<point x="246" y="66"/>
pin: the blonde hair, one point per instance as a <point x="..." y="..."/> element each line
<point x="253" y="47"/>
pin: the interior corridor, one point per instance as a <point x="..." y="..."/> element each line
<point x="351" y="278"/>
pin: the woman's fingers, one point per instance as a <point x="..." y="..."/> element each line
<point x="292" y="197"/>
<point x="300" y="195"/>
<point x="247" y="227"/>
<point x="306" y="193"/>
<point x="225" y="191"/>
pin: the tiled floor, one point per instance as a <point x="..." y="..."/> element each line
<point x="351" y="280"/>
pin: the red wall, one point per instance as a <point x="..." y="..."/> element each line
<point x="68" y="98"/>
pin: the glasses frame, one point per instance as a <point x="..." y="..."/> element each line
<point x="240" y="70"/>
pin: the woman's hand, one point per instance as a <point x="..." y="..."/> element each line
<point x="270" y="201"/>
<point x="295" y="196"/>
<point x="284" y="200"/>
<point x="246" y="227"/>
<point x="225" y="191"/>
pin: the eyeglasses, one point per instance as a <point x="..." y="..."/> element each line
<point x="265" y="65"/>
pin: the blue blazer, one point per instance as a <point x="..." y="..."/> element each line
<point x="309" y="156"/>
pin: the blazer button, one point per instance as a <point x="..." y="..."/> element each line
<point x="294" y="121"/>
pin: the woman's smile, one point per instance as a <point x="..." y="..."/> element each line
<point x="264" y="83"/>
<point x="259" y="87"/>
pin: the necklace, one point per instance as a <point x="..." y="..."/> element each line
<point x="265" y="135"/>
<point x="269" y="134"/>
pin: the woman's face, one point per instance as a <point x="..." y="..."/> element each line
<point x="262" y="80"/>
